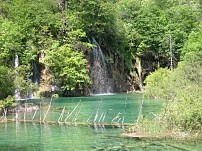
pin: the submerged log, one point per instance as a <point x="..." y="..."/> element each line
<point x="141" y="135"/>
<point x="70" y="123"/>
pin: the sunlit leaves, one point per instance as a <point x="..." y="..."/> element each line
<point x="183" y="89"/>
<point x="194" y="42"/>
<point x="68" y="67"/>
<point x="10" y="40"/>
<point x="6" y="82"/>
<point x="149" y="23"/>
<point x="155" y="87"/>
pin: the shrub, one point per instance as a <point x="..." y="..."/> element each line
<point x="184" y="110"/>
<point x="155" y="84"/>
<point x="183" y="89"/>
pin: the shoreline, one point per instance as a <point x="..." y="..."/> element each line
<point x="179" y="136"/>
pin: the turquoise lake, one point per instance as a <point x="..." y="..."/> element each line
<point x="20" y="136"/>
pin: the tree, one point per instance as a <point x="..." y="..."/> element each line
<point x="194" y="42"/>
<point x="184" y="110"/>
<point x="149" y="24"/>
<point x="182" y="89"/>
<point x="68" y="67"/>
<point x="6" y="82"/>
<point x="182" y="20"/>
<point x="156" y="84"/>
<point x="154" y="26"/>
<point x="10" y="41"/>
<point x="29" y="29"/>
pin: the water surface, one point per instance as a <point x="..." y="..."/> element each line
<point x="21" y="136"/>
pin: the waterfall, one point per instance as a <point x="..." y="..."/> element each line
<point x="98" y="71"/>
<point x="35" y="78"/>
<point x="35" y="73"/>
<point x="16" y="60"/>
<point x="16" y="65"/>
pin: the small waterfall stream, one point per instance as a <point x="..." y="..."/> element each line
<point x="16" y="65"/>
<point x="35" y="73"/>
<point x="34" y="78"/>
<point x="16" y="60"/>
<point x="98" y="71"/>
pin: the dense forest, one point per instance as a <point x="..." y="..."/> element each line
<point x="47" y="46"/>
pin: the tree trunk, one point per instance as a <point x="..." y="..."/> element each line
<point x="171" y="52"/>
<point x="62" y="4"/>
<point x="139" y="70"/>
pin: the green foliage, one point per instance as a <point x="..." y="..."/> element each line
<point x="182" y="20"/>
<point x="94" y="16"/>
<point x="22" y="82"/>
<point x="10" y="37"/>
<point x="194" y="42"/>
<point x="156" y="85"/>
<point x="137" y="21"/>
<point x="68" y="67"/>
<point x="183" y="88"/>
<point x="33" y="28"/>
<point x="184" y="112"/>
<point x="129" y="28"/>
<point x="8" y="102"/>
<point x="149" y="24"/>
<point x="100" y="20"/>
<point x="6" y="82"/>
<point x="148" y="127"/>
<point x="185" y="109"/>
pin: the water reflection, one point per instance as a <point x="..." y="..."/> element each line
<point x="21" y="136"/>
<point x="57" y="137"/>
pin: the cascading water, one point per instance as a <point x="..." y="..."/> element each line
<point x="98" y="71"/>
<point x="35" y="73"/>
<point x="34" y="78"/>
<point x="16" y="65"/>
